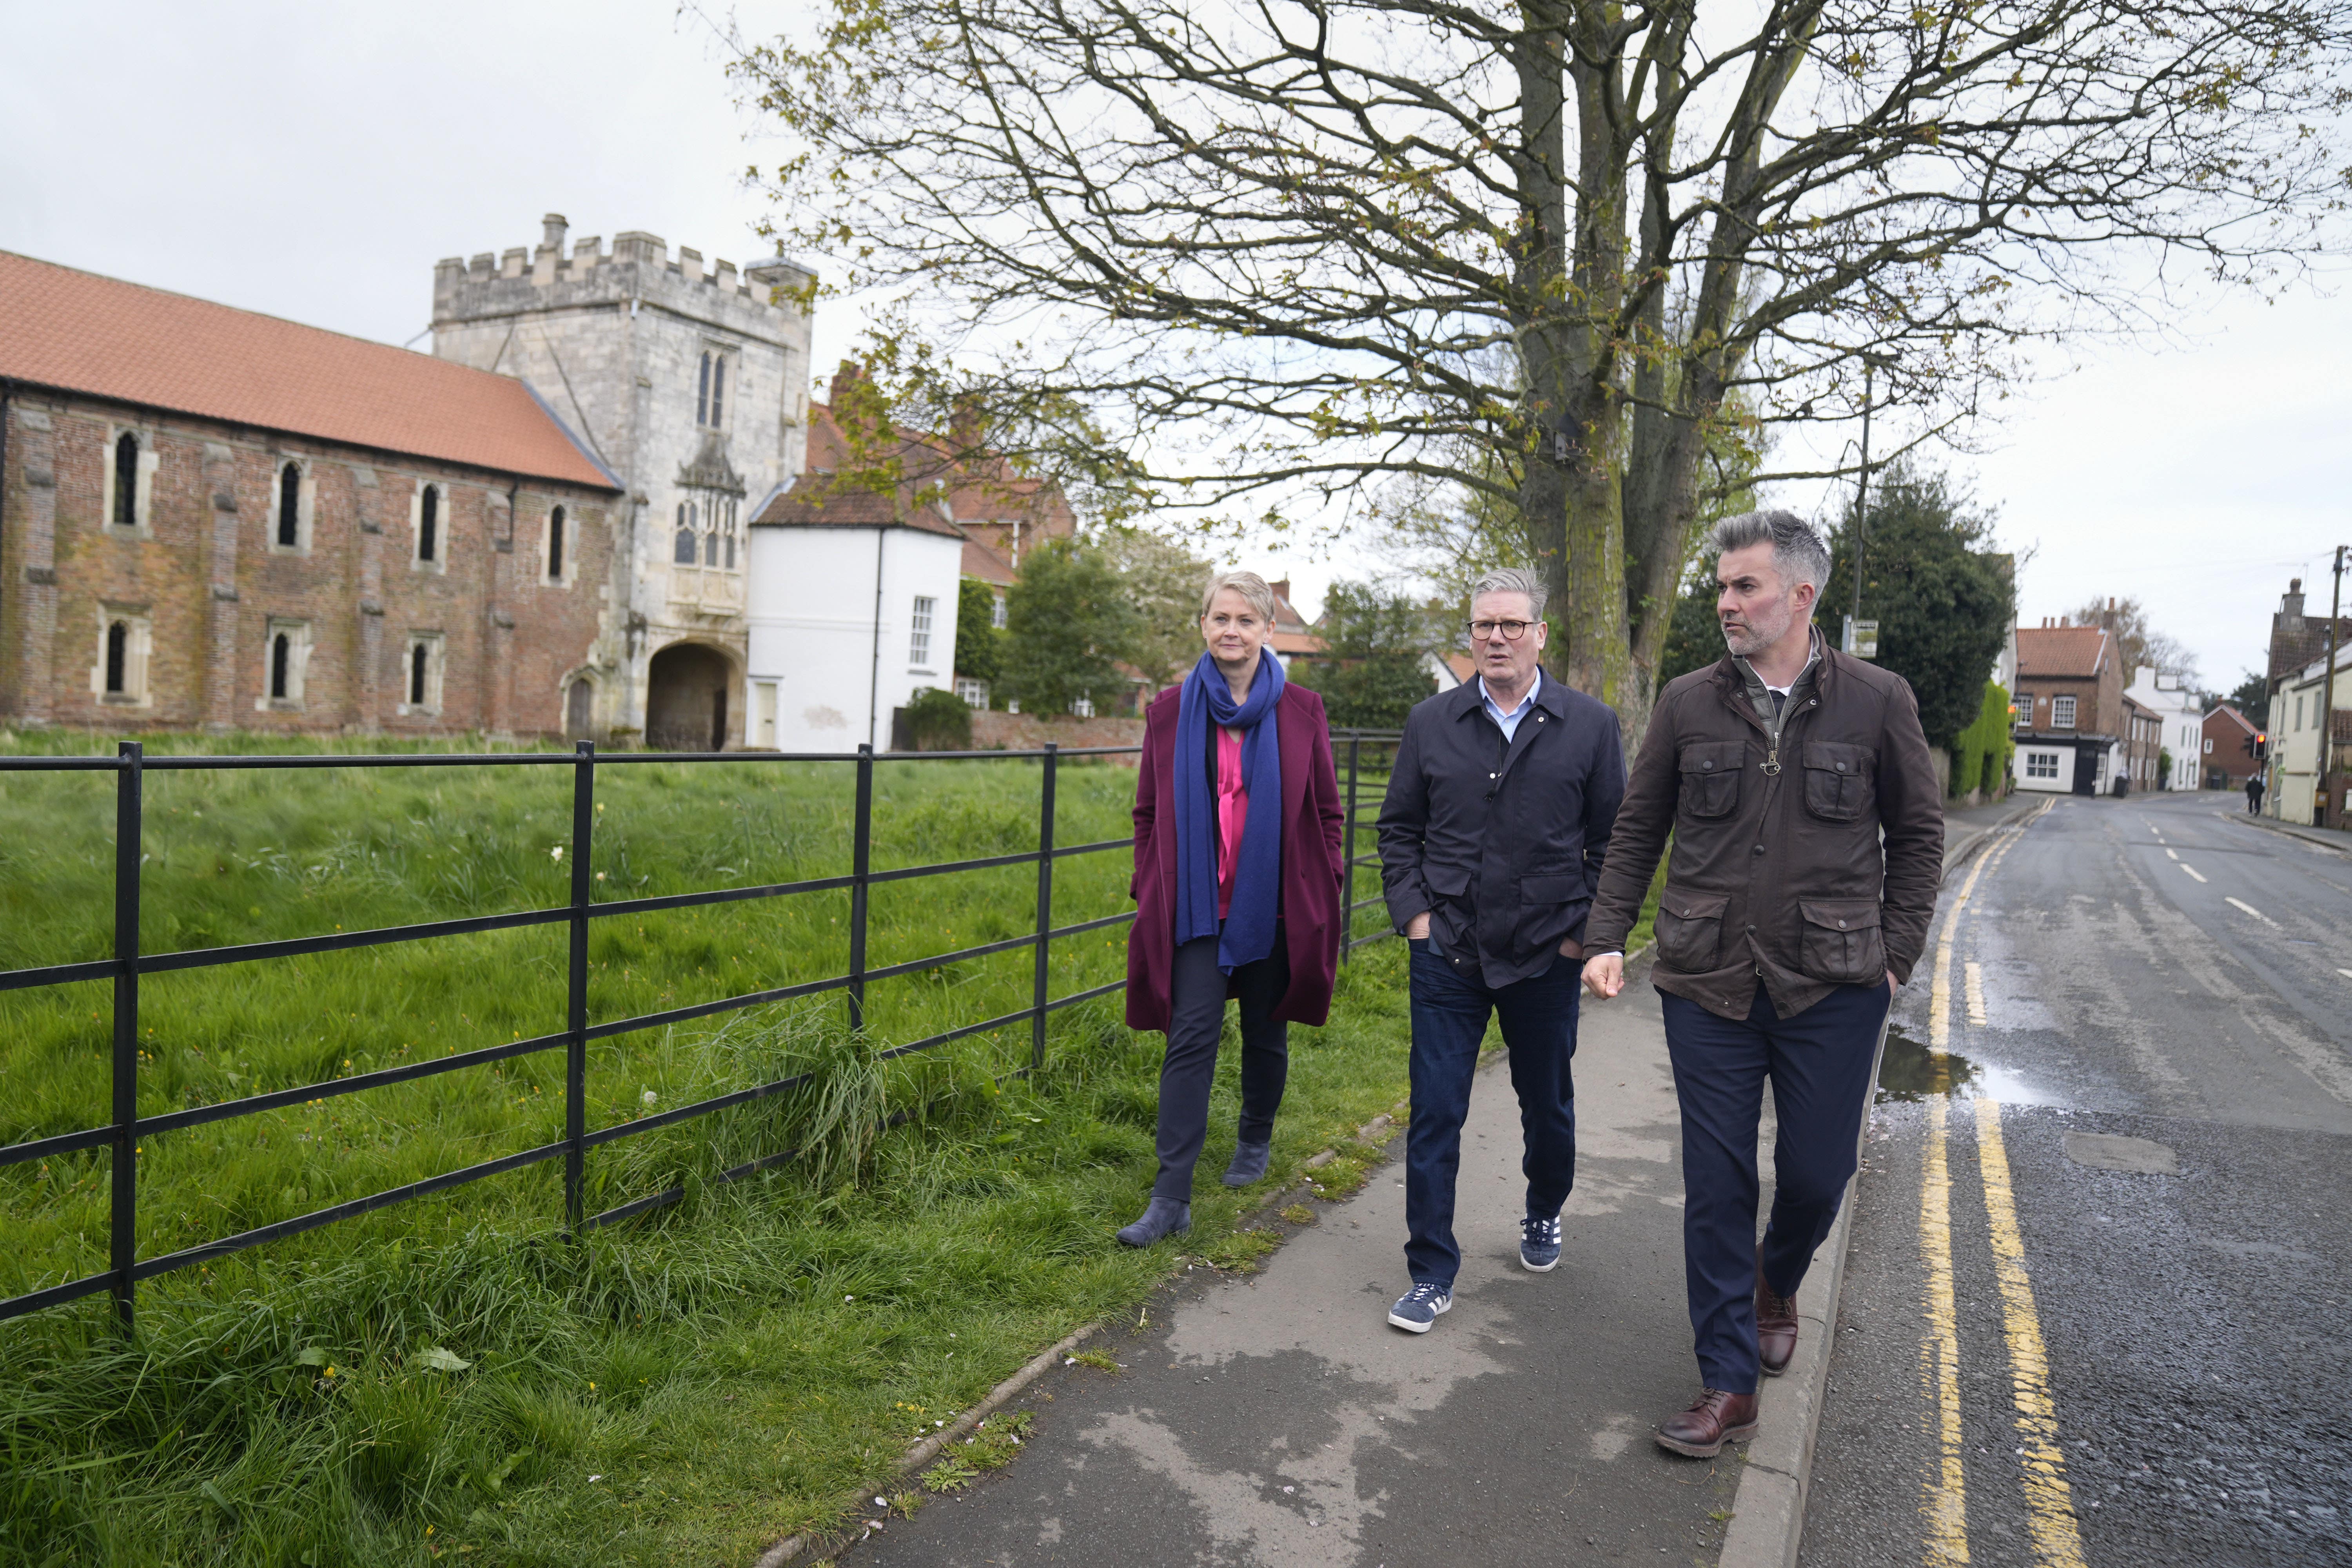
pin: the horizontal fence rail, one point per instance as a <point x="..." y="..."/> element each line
<point x="126" y="1127"/>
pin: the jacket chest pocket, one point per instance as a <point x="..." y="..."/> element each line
<point x="1841" y="780"/>
<point x="1689" y="928"/>
<point x="1841" y="942"/>
<point x="1710" y="777"/>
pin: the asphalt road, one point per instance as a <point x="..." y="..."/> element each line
<point x="2098" y="1293"/>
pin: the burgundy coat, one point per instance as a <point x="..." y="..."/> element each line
<point x="1311" y="869"/>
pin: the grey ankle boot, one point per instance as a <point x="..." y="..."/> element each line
<point x="1165" y="1217"/>
<point x="1249" y="1163"/>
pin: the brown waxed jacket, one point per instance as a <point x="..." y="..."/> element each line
<point x="1778" y="875"/>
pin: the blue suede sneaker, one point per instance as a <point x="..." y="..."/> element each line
<point x="1540" y="1244"/>
<point x="1420" y="1307"/>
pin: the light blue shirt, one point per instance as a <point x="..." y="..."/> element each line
<point x="1509" y="723"/>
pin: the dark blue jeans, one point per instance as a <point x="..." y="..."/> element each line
<point x="1449" y="1018"/>
<point x="1819" y="1062"/>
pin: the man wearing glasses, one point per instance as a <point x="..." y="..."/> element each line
<point x="1492" y="834"/>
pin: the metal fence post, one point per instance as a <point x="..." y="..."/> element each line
<point x="1348" y="878"/>
<point x="575" y="1048"/>
<point x="123" y="1238"/>
<point x="1045" y="908"/>
<point x="861" y="866"/>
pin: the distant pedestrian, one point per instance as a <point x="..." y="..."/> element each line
<point x="2255" y="795"/>
<point x="1781" y="935"/>
<point x="1237" y="886"/>
<point x="1491" y="838"/>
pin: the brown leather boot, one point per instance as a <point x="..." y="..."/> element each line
<point x="1776" y="1326"/>
<point x="1716" y="1418"/>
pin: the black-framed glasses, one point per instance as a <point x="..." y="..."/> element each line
<point x="1509" y="631"/>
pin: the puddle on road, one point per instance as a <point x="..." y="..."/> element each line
<point x="1910" y="1071"/>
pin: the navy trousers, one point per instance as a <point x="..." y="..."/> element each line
<point x="1819" y="1062"/>
<point x="1196" y="1025"/>
<point x="1449" y="1018"/>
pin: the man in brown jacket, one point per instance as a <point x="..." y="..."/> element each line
<point x="1784" y="928"/>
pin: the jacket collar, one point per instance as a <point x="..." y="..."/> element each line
<point x="1552" y="696"/>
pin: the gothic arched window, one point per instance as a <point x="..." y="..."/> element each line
<point x="126" y="480"/>
<point x="717" y="386"/>
<point x="429" y="524"/>
<point x="117" y="659"/>
<point x="281" y="652"/>
<point x="682" y="552"/>
<point x="702" y="395"/>
<point x="555" y="545"/>
<point x="289" y="506"/>
<point x="419" y="657"/>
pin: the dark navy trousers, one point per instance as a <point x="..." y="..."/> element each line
<point x="1819" y="1062"/>
<point x="1196" y="1028"/>
<point x="1537" y="1016"/>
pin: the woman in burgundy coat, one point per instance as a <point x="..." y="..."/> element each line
<point x="1237" y="873"/>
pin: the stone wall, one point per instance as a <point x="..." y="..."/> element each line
<point x="204" y="575"/>
<point x="1028" y="732"/>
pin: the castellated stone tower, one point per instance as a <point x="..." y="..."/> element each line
<point x="692" y="386"/>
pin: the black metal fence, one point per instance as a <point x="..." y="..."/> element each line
<point x="120" y="1136"/>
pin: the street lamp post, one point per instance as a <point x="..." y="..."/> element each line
<point x="1870" y="364"/>
<point x="2327" y="698"/>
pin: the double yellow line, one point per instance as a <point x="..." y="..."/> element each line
<point x="2057" y="1541"/>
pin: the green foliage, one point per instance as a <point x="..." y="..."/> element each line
<point x="1695" y="637"/>
<point x="1981" y="752"/>
<point x="1377" y="666"/>
<point x="977" y="650"/>
<point x="938" y="720"/>
<point x="1069" y="623"/>
<point x="1943" y="603"/>
<point x="2164" y="768"/>
<point x="689" y="1386"/>
<point x="1163" y="580"/>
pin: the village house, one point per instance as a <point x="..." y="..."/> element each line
<point x="2073" y="725"/>
<point x="2230" y="749"/>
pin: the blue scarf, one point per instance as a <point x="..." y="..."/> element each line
<point x="1247" y="934"/>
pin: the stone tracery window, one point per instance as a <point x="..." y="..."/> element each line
<point x="682" y="550"/>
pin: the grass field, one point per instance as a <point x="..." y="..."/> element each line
<point x="448" y="1379"/>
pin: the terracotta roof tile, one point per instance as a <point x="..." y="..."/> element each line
<point x="2060" y="650"/>
<point x="77" y="332"/>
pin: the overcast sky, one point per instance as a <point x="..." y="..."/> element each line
<point x="313" y="160"/>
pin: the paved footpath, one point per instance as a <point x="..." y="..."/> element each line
<point x="1279" y="1420"/>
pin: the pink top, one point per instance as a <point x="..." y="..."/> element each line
<point x="1233" y="813"/>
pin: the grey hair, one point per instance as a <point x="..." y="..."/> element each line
<point x="1514" y="580"/>
<point x="1248" y="585"/>
<point x="1798" y="552"/>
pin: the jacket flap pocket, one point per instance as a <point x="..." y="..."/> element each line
<point x="1837" y="757"/>
<point x="1553" y="889"/>
<point x="1840" y="914"/>
<point x="1447" y="881"/>
<point x="1694" y="906"/>
<point x="1711" y="756"/>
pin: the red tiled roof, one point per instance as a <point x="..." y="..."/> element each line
<point x="818" y="499"/>
<point x="2225" y="711"/>
<point x="981" y="561"/>
<point x="77" y="332"/>
<point x="2061" y="651"/>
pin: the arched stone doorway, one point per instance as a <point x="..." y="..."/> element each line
<point x="685" y="698"/>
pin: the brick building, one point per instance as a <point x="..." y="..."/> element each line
<point x="214" y="518"/>
<point x="2074" y="732"/>
<point x="2233" y="749"/>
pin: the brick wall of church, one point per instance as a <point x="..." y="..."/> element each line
<point x="204" y="582"/>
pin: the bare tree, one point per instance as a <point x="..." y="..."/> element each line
<point x="1548" y="252"/>
<point x="2137" y="642"/>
